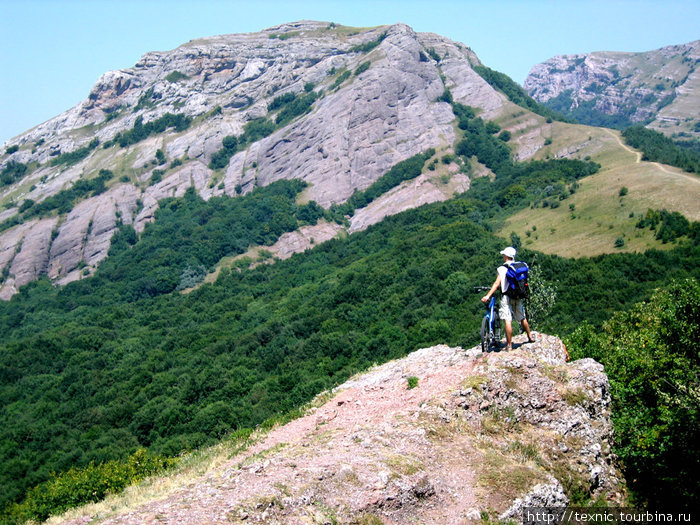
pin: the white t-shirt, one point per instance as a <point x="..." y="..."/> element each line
<point x="502" y="270"/>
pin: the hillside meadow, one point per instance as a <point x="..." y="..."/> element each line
<point x="590" y="221"/>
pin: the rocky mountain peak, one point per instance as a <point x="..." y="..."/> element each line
<point x="369" y="99"/>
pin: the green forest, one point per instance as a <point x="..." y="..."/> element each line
<point x="650" y="355"/>
<point x="98" y="369"/>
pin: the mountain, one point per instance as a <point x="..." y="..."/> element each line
<point x="330" y="105"/>
<point x="442" y="435"/>
<point x="657" y="88"/>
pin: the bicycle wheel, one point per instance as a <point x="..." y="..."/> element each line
<point x="496" y="340"/>
<point x="485" y="334"/>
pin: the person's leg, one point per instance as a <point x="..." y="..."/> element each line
<point x="526" y="326"/>
<point x="519" y="314"/>
<point x="506" y="313"/>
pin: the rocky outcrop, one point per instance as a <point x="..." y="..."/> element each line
<point x="83" y="239"/>
<point x="304" y="238"/>
<point x="421" y="190"/>
<point x="24" y="254"/>
<point x="363" y="122"/>
<point x="659" y="88"/>
<point x="468" y="433"/>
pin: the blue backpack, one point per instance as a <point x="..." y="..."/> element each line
<point x="516" y="279"/>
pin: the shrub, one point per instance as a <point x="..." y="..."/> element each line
<point x="75" y="156"/>
<point x="12" y="172"/>
<point x="362" y="68"/>
<point x="669" y="226"/>
<point x="160" y="157"/>
<point x="651" y="357"/>
<point x="141" y="131"/>
<point x="176" y="76"/>
<point x="27" y="204"/>
<point x="341" y="78"/>
<point x="297" y="106"/>
<point x="543" y="297"/>
<point x="191" y="276"/>
<point x="368" y="46"/>
<point x="156" y="177"/>
<point x="92" y="483"/>
<point x="433" y="54"/>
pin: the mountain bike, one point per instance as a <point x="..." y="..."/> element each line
<point x="490" y="324"/>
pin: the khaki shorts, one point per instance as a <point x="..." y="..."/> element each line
<point x="512" y="308"/>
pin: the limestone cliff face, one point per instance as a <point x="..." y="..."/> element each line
<point x="657" y="87"/>
<point x="472" y="433"/>
<point x="362" y="123"/>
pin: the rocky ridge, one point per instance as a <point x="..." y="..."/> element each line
<point x="659" y="87"/>
<point x="476" y="433"/>
<point x="363" y="122"/>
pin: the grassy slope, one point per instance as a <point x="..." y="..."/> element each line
<point x="601" y="216"/>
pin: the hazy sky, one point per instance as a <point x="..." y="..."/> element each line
<point x="53" y="51"/>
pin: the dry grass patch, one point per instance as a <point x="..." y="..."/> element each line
<point x="259" y="456"/>
<point x="403" y="465"/>
<point x="191" y="467"/>
<point x="499" y="421"/>
<point x="556" y="373"/>
<point x="575" y="396"/>
<point x="438" y="430"/>
<point x="502" y="476"/>
<point x="516" y="377"/>
<point x="475" y="382"/>
<point x="367" y="519"/>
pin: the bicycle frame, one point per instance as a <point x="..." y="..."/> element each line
<point x="490" y="326"/>
<point x="492" y="313"/>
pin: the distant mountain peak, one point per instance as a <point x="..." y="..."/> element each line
<point x="660" y="88"/>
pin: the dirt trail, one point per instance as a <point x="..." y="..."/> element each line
<point x="625" y="146"/>
<point x="662" y="167"/>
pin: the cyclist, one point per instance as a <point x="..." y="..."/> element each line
<point x="509" y="307"/>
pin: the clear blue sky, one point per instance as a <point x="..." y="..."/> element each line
<point x="53" y="51"/>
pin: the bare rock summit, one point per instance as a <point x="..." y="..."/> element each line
<point x="657" y="88"/>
